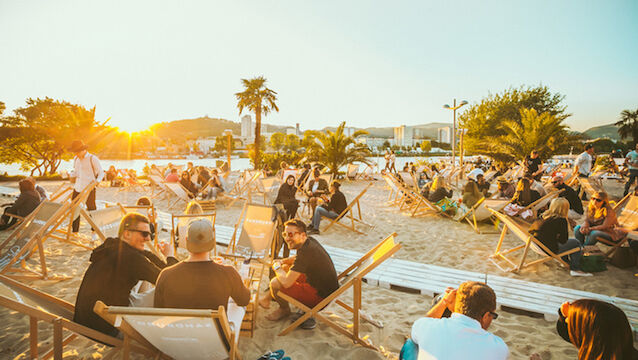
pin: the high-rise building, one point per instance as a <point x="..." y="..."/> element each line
<point x="247" y="127"/>
<point x="444" y="135"/>
<point x="403" y="136"/>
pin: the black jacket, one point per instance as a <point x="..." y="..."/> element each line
<point x="25" y="203"/>
<point x="572" y="197"/>
<point x="551" y="232"/>
<point x="322" y="188"/>
<point x="337" y="202"/>
<point x="115" y="268"/>
<point x="286" y="194"/>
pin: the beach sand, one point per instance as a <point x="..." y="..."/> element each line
<point x="428" y="239"/>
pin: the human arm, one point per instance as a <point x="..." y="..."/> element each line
<point x="99" y="172"/>
<point x="238" y="291"/>
<point x="609" y="223"/>
<point x="562" y="231"/>
<point x="446" y="302"/>
<point x="285" y="278"/>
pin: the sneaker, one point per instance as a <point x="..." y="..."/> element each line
<point x="579" y="273"/>
<point x="308" y="324"/>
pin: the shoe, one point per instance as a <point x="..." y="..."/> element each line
<point x="272" y="355"/>
<point x="579" y="273"/>
<point x="308" y="324"/>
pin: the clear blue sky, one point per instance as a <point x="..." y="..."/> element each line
<point x="371" y="63"/>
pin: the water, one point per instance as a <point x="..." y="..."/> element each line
<point x="236" y="163"/>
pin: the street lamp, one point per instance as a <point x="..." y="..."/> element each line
<point x="453" y="108"/>
<point x="229" y="133"/>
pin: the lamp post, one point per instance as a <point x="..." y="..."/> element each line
<point x="453" y="108"/>
<point x="229" y="133"/>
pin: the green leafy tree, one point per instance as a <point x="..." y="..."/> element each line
<point x="628" y="125"/>
<point x="292" y="143"/>
<point x="277" y="141"/>
<point x="386" y="145"/>
<point x="2" y="107"/>
<point x="308" y="140"/>
<point x="259" y="99"/>
<point x="221" y="144"/>
<point x="335" y="149"/>
<point x="426" y="146"/>
<point x="485" y="121"/>
<point x="37" y="135"/>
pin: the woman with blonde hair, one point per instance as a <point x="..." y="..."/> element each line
<point x="553" y="232"/>
<point x="438" y="190"/>
<point x="599" y="330"/>
<point x="600" y="222"/>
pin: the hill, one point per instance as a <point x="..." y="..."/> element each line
<point x="194" y="128"/>
<point x="605" y="131"/>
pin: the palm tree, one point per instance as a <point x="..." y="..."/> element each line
<point x="628" y="124"/>
<point x="544" y="132"/>
<point x="335" y="149"/>
<point x="259" y="99"/>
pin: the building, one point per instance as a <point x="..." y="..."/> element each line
<point x="298" y="131"/>
<point x="403" y="136"/>
<point x="444" y="135"/>
<point x="247" y="127"/>
<point x="206" y="145"/>
<point x="290" y="131"/>
<point x="374" y="142"/>
<point x="348" y="131"/>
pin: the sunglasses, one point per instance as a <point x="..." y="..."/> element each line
<point x="143" y="233"/>
<point x="289" y="234"/>
<point x="597" y="199"/>
<point x="494" y="315"/>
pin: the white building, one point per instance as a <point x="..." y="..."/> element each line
<point x="247" y="127"/>
<point x="290" y="131"/>
<point x="444" y="135"/>
<point x="206" y="145"/>
<point x="403" y="136"/>
<point x="348" y="131"/>
<point x="373" y="142"/>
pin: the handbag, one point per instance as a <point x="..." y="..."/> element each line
<point x="593" y="260"/>
<point x="623" y="258"/>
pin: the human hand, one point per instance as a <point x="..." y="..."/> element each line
<point x="167" y="249"/>
<point x="285" y="267"/>
<point x="585" y="230"/>
<point x="449" y="298"/>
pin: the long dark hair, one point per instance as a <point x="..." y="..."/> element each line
<point x="599" y="330"/>
<point x="523" y="193"/>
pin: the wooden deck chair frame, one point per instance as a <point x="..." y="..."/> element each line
<point x="530" y="242"/>
<point x="542" y="202"/>
<point x="114" y="315"/>
<point x="209" y="216"/>
<point x="129" y="182"/>
<point x="590" y="185"/>
<point x="394" y="190"/>
<point x="157" y="182"/>
<point x="348" y="213"/>
<point x="43" y="312"/>
<point x="242" y="191"/>
<point x="470" y="215"/>
<point x="267" y="187"/>
<point x="352" y="175"/>
<point x="179" y="192"/>
<point x="352" y="277"/>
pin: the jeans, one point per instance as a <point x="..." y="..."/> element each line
<point x="574" y="259"/>
<point x="319" y="212"/>
<point x="633" y="175"/>
<point x="590" y="239"/>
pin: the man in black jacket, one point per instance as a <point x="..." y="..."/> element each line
<point x="331" y="209"/>
<point x="116" y="266"/>
<point x="575" y="204"/>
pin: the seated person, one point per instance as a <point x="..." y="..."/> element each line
<point x="283" y="166"/>
<point x="523" y="197"/>
<point x="483" y="186"/>
<point x="202" y="176"/>
<point x="505" y="189"/>
<point x="172" y="177"/>
<point x="309" y="277"/>
<point x="600" y="222"/>
<point x="116" y="267"/>
<point x="27" y="201"/>
<point x="216" y="187"/>
<point x="39" y="189"/>
<point x="576" y="210"/>
<point x="111" y="175"/>
<point x="553" y="232"/>
<point x="316" y="187"/>
<point x="186" y="182"/>
<point x="438" y="190"/>
<point x="152" y="216"/>
<point x="286" y="197"/>
<point x="331" y="208"/>
<point x="537" y="186"/>
<point x="471" y="193"/>
<point x="423" y="179"/>
<point x="209" y="284"/>
<point x="464" y="334"/>
<point x="599" y="330"/>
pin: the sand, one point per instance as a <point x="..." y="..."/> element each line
<point x="428" y="239"/>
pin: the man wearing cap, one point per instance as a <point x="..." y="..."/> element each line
<point x="309" y="277"/>
<point x="86" y="169"/>
<point x="198" y="282"/>
<point x="116" y="267"/>
<point x="575" y="205"/>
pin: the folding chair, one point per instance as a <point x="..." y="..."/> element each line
<point x="349" y="212"/>
<point x="157" y="183"/>
<point x="530" y="242"/>
<point x="40" y="306"/>
<point x="409" y="180"/>
<point x="394" y="190"/>
<point x="242" y="188"/>
<point x="590" y="185"/>
<point x="352" y="172"/>
<point x="478" y="212"/>
<point x="350" y="278"/>
<point x="178" y="333"/>
<point x="179" y="192"/>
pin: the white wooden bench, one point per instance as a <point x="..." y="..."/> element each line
<point x="9" y="192"/>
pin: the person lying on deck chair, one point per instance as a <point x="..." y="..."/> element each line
<point x="198" y="282"/>
<point x="464" y="334"/>
<point x="575" y="204"/>
<point x="309" y="277"/>
<point x="116" y="267"/>
<point x="331" y="208"/>
<point x="27" y="201"/>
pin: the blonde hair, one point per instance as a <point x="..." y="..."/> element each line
<point x="601" y="212"/>
<point x="193" y="208"/>
<point x="559" y="207"/>
<point x="439" y="182"/>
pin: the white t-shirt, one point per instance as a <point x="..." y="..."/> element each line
<point x="86" y="170"/>
<point x="458" y="337"/>
<point x="584" y="163"/>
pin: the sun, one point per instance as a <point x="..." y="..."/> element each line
<point x="132" y="127"/>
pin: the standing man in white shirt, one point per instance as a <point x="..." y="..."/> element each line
<point x="86" y="169"/>
<point x="464" y="334"/>
<point x="583" y="164"/>
<point x="631" y="160"/>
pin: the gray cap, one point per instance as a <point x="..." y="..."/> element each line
<point x="201" y="237"/>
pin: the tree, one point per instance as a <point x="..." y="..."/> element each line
<point x="335" y="149"/>
<point x="628" y="125"/>
<point x="543" y="132"/>
<point x="221" y="144"/>
<point x="308" y="140"/>
<point x="37" y="135"/>
<point x="2" y="107"/>
<point x="277" y="141"/>
<point x="386" y="145"/>
<point x="485" y="121"/>
<point x="426" y="146"/>
<point x="259" y="99"/>
<point x="292" y="142"/>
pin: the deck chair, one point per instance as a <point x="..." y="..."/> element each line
<point x="129" y="181"/>
<point x="541" y="203"/>
<point x="530" y="242"/>
<point x="105" y="222"/>
<point x="627" y="214"/>
<point x="267" y="188"/>
<point x="242" y="188"/>
<point x="350" y="278"/>
<point x="157" y="184"/>
<point x="590" y="185"/>
<point x="348" y="213"/>
<point x="43" y="307"/>
<point x="352" y="172"/>
<point x="394" y="190"/>
<point x="179" y="193"/>
<point x="179" y="227"/>
<point x="409" y="180"/>
<point x="178" y="333"/>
